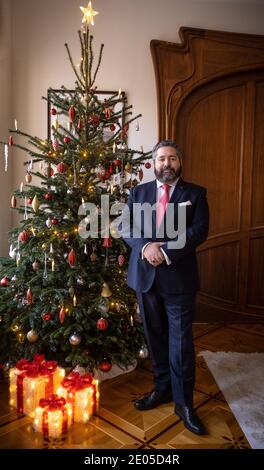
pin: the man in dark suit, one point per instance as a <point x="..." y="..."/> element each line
<point x="163" y="272"/>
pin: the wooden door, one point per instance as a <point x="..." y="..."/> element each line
<point x="211" y="101"/>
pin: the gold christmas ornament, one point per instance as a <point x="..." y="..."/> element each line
<point x="106" y="292"/>
<point x="13" y="202"/>
<point x="28" y="178"/>
<point x="128" y="167"/>
<point x="71" y="291"/>
<point x="88" y="14"/>
<point x="32" y="336"/>
<point x="35" y="204"/>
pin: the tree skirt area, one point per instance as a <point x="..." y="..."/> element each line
<point x="114" y="372"/>
<point x="240" y="378"/>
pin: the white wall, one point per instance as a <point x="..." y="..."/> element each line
<point x="5" y="116"/>
<point x="40" y="29"/>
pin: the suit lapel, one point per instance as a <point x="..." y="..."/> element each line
<point x="178" y="190"/>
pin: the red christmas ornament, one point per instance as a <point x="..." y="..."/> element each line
<point x="110" y="170"/>
<point x="72" y="258"/>
<point x="46" y="316"/>
<point x="61" y="167"/>
<point x="23" y="236"/>
<point x="105" y="366"/>
<point x="112" y="127"/>
<point x="29" y="296"/>
<point x="66" y="140"/>
<point x="107" y="175"/>
<point x="117" y="162"/>
<point x="102" y="324"/>
<point x="48" y="196"/>
<point x="147" y="165"/>
<point x="107" y="243"/>
<point x="54" y="221"/>
<point x="94" y="119"/>
<point x="10" y="141"/>
<point x="62" y="315"/>
<point x="107" y="113"/>
<point x="4" y="282"/>
<point x="53" y="111"/>
<point x="48" y="172"/>
<point x="30" y="199"/>
<point x="121" y="260"/>
<point x="72" y="113"/>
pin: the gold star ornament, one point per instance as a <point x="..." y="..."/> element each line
<point x="88" y="14"/>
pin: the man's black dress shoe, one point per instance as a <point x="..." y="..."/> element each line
<point x="190" y="419"/>
<point x="155" y="398"/>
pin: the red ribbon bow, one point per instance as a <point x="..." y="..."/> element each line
<point x="53" y="402"/>
<point x="23" y="364"/>
<point x="75" y="381"/>
<point x="38" y="367"/>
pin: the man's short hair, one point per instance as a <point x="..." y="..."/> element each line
<point x="167" y="143"/>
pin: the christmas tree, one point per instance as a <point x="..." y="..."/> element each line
<point x="63" y="289"/>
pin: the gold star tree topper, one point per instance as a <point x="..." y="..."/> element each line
<point x="88" y="14"/>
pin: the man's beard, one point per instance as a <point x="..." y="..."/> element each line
<point x="167" y="175"/>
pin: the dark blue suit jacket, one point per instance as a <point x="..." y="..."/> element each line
<point x="181" y="276"/>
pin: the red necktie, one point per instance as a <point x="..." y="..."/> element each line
<point x="162" y="204"/>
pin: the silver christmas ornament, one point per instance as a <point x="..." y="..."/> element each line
<point x="143" y="352"/>
<point x="32" y="336"/>
<point x="80" y="370"/>
<point x="12" y="252"/>
<point x="80" y="281"/>
<point x="75" y="339"/>
<point x="103" y="307"/>
<point x="48" y="222"/>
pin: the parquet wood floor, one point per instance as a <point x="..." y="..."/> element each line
<point x="119" y="425"/>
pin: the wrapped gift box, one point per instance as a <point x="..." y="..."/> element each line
<point x="53" y="416"/>
<point x="31" y="381"/>
<point x="81" y="391"/>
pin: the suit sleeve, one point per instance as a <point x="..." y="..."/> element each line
<point x="127" y="230"/>
<point x="195" y="234"/>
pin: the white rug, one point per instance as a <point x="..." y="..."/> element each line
<point x="240" y="377"/>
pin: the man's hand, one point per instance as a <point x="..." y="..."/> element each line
<point x="153" y="254"/>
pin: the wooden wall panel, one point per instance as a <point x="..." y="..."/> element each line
<point x="222" y="259"/>
<point x="255" y="286"/>
<point x="210" y="91"/>
<point x="210" y="129"/>
<point x="258" y="165"/>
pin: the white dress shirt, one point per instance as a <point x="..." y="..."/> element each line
<point x="159" y="194"/>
